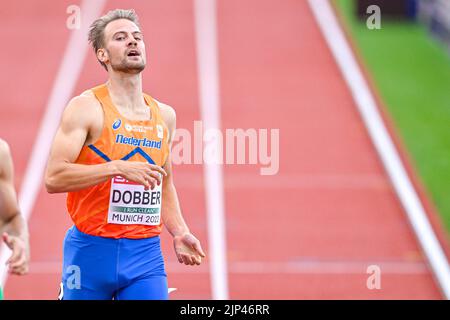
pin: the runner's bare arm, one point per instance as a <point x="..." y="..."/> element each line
<point x="187" y="247"/>
<point x="63" y="175"/>
<point x="13" y="226"/>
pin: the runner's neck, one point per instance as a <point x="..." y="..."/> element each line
<point x="126" y="91"/>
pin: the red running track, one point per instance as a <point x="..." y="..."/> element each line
<point x="309" y="232"/>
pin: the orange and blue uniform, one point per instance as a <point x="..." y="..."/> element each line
<point x="114" y="243"/>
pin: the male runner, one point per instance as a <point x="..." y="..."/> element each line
<point x="111" y="154"/>
<point x="12" y="225"/>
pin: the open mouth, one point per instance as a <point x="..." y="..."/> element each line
<point x="133" y="53"/>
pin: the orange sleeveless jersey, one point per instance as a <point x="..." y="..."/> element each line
<point x="121" y="139"/>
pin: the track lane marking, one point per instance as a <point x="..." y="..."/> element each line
<point x="382" y="141"/>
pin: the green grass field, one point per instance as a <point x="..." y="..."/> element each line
<point x="412" y="73"/>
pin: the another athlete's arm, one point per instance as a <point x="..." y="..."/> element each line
<point x="187" y="247"/>
<point x="63" y="175"/>
<point x="12" y="224"/>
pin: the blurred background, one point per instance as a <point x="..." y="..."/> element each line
<point x="331" y="214"/>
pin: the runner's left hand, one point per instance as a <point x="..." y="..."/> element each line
<point x="188" y="249"/>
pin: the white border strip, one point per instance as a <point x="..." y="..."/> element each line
<point x="362" y="95"/>
<point x="206" y="42"/>
<point x="63" y="87"/>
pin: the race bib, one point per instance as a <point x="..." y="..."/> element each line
<point x="129" y="203"/>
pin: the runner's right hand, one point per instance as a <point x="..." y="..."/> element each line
<point x="149" y="175"/>
<point x="19" y="260"/>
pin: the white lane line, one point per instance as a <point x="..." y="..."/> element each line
<point x="268" y="267"/>
<point x="365" y="102"/>
<point x="294" y="181"/>
<point x="207" y="64"/>
<point x="323" y="267"/>
<point x="63" y="87"/>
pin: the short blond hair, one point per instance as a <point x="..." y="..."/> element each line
<point x="97" y="28"/>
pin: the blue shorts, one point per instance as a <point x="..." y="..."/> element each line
<point x="98" y="268"/>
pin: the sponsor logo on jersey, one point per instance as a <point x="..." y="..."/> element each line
<point x="160" y="131"/>
<point x="137" y="128"/>
<point x="116" y="124"/>
<point x="132" y="141"/>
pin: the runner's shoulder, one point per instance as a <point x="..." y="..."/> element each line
<point x="4" y="149"/>
<point x="84" y="107"/>
<point x="5" y="155"/>
<point x="85" y="100"/>
<point x="168" y="113"/>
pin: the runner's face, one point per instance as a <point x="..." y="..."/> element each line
<point x="125" y="46"/>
